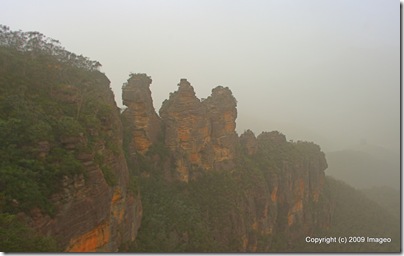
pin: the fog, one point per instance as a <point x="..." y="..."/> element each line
<point x="318" y="70"/>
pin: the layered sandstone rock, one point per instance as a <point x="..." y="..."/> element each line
<point x="280" y="181"/>
<point x="95" y="211"/>
<point x="201" y="135"/>
<point x="294" y="183"/>
<point x="145" y="123"/>
<point x="187" y="131"/>
<point x="222" y="112"/>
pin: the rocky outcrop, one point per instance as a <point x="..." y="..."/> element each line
<point x="140" y="114"/>
<point x="279" y="183"/>
<point x="249" y="142"/>
<point x="200" y="134"/>
<point x="187" y="131"/>
<point x="222" y="112"/>
<point x="95" y="211"/>
<point x="295" y="179"/>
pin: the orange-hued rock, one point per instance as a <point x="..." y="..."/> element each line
<point x="201" y="133"/>
<point x="254" y="226"/>
<point x="92" y="240"/>
<point x="117" y="195"/>
<point x="118" y="205"/>
<point x="222" y="112"/>
<point x="140" y="114"/>
<point x="274" y="194"/>
<point x="90" y="214"/>
<point x="244" y="240"/>
<point x="285" y="201"/>
<point x="200" y="137"/>
<point x="187" y="130"/>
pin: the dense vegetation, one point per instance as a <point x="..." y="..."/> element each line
<point x="209" y="214"/>
<point x="15" y="236"/>
<point x="50" y="113"/>
<point x="193" y="217"/>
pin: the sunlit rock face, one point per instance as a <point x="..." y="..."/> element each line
<point x="144" y="121"/>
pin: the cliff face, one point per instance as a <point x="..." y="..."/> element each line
<point x="254" y="193"/>
<point x="222" y="113"/>
<point x="187" y="131"/>
<point x="200" y="134"/>
<point x="290" y="203"/>
<point x="140" y="113"/>
<point x="76" y="188"/>
<point x="64" y="171"/>
<point x="248" y="142"/>
<point x="95" y="211"/>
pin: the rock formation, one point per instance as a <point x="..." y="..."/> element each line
<point x="249" y="142"/>
<point x="64" y="171"/>
<point x="140" y="113"/>
<point x="95" y="211"/>
<point x="222" y="112"/>
<point x="200" y="134"/>
<point x="295" y="181"/>
<point x="288" y="177"/>
<point x="187" y="131"/>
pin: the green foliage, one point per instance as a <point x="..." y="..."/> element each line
<point x="53" y="106"/>
<point x="38" y="45"/>
<point x="158" y="148"/>
<point x="133" y="185"/>
<point x="171" y="217"/>
<point x="138" y="76"/>
<point x="15" y="236"/>
<point x="68" y="126"/>
<point x="207" y="214"/>
<point x="109" y="176"/>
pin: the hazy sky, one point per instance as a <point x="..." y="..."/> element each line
<point x="326" y="71"/>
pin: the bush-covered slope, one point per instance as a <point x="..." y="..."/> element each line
<point x="262" y="205"/>
<point x="42" y="106"/>
<point x="62" y="167"/>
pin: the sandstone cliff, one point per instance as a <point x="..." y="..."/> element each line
<point x="63" y="170"/>
<point x="96" y="210"/>
<point x="222" y="113"/>
<point x="145" y="124"/>
<point x="290" y="203"/>
<point x="253" y="193"/>
<point x="200" y="134"/>
<point x="70" y="169"/>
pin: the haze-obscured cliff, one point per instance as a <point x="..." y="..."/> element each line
<point x="242" y="194"/>
<point x="73" y="168"/>
<point x="62" y="166"/>
<point x="145" y="123"/>
<point x="200" y="134"/>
